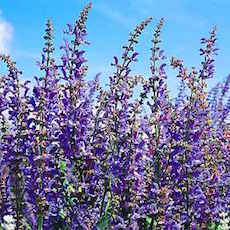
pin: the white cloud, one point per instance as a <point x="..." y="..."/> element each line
<point x="6" y="34"/>
<point x="114" y="15"/>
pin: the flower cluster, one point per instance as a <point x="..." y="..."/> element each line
<point x="76" y="156"/>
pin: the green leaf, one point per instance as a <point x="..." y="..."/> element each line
<point x="62" y="214"/>
<point x="73" y="199"/>
<point x="28" y="227"/>
<point x="62" y="166"/>
<point x="65" y="183"/>
<point x="156" y="131"/>
<point x="80" y="189"/>
<point x="212" y="226"/>
<point x="219" y="227"/>
<point x="40" y="222"/>
<point x="103" y="223"/>
<point x="70" y="188"/>
<point x="148" y="220"/>
<point x="108" y="205"/>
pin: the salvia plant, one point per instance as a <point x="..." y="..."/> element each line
<point x="76" y="156"/>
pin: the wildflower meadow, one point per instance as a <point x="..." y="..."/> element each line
<point x="76" y="156"/>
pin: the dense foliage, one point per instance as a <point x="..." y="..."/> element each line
<point x="76" y="156"/>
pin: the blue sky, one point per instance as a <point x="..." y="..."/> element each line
<point x="22" y="24"/>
